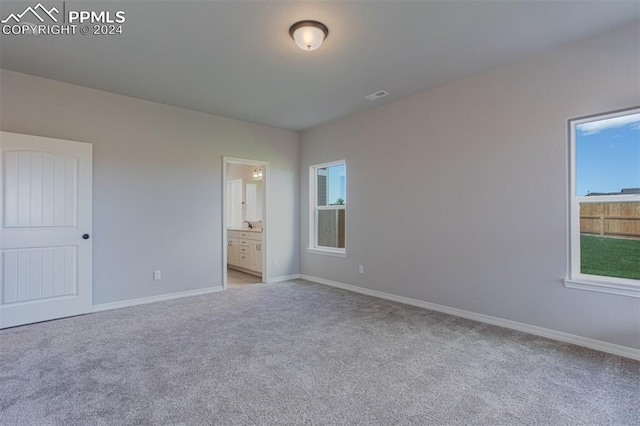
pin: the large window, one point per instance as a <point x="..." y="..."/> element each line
<point x="327" y="206"/>
<point x="605" y="203"/>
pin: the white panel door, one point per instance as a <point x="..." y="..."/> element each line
<point x="45" y="228"/>
<point x="234" y="203"/>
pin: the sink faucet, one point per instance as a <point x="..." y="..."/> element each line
<point x="249" y="223"/>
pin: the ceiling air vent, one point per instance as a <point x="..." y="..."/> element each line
<point x="374" y="96"/>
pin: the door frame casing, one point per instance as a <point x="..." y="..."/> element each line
<point x="226" y="160"/>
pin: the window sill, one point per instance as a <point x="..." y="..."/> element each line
<point x="327" y="252"/>
<point x="620" y="289"/>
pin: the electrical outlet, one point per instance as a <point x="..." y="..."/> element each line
<point x="157" y="275"/>
<point x="361" y="269"/>
<point x="275" y="261"/>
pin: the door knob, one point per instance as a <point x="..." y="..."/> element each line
<point x="85" y="236"/>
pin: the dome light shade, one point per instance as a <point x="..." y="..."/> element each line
<point x="308" y="35"/>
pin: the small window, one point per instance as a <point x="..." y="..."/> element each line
<point x="605" y="203"/>
<point x="328" y="205"/>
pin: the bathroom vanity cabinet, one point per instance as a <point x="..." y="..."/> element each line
<point x="244" y="250"/>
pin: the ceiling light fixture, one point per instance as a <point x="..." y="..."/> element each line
<point x="257" y="173"/>
<point x="308" y="35"/>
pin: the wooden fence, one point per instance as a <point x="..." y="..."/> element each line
<point x="331" y="228"/>
<point x="610" y="219"/>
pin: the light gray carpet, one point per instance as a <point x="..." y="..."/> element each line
<point x="301" y="353"/>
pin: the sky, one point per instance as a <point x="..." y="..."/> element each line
<point x="337" y="183"/>
<point x="608" y="155"/>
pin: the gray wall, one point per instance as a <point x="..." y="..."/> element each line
<point x="157" y="182"/>
<point x="458" y="195"/>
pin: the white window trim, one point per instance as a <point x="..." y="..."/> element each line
<point x="575" y="279"/>
<point x="313" y="196"/>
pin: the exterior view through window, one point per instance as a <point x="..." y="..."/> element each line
<point x="328" y="184"/>
<point x="605" y="197"/>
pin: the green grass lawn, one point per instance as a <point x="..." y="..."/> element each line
<point x="612" y="257"/>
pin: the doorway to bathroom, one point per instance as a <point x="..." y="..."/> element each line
<point x="244" y="208"/>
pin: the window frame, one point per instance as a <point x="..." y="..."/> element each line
<point x="575" y="278"/>
<point x="313" y="212"/>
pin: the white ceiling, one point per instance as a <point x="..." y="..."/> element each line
<point x="236" y="59"/>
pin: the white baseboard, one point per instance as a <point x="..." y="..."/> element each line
<point x="152" y="299"/>
<point x="514" y="325"/>
<point x="284" y="278"/>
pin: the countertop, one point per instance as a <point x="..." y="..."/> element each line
<point x="245" y="229"/>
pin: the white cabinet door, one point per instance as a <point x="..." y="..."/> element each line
<point x="232" y="251"/>
<point x="256" y="256"/>
<point x="259" y="257"/>
<point x="45" y="228"/>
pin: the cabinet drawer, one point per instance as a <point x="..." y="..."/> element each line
<point x="244" y="249"/>
<point x="243" y="260"/>
<point x="245" y="242"/>
<point x="250" y="235"/>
